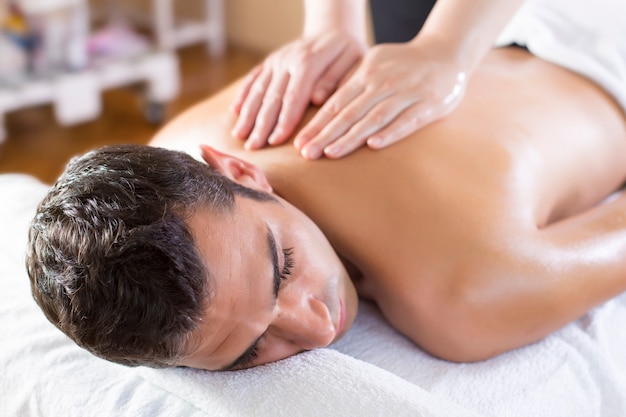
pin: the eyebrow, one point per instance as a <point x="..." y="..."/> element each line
<point x="273" y="253"/>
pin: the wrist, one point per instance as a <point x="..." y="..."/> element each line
<point x="342" y="16"/>
<point x="467" y="30"/>
<point x="461" y="57"/>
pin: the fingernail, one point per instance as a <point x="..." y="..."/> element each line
<point x="274" y="137"/>
<point x="311" y="152"/>
<point x="319" y="95"/>
<point x="375" y="142"/>
<point x="236" y="131"/>
<point x="300" y="141"/>
<point x="252" y="142"/>
<point x="333" y="151"/>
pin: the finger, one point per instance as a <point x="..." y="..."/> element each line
<point x="250" y="108"/>
<point x="268" y="113"/>
<point x="331" y="78"/>
<point x="244" y="89"/>
<point x="374" y="121"/>
<point x="329" y="111"/>
<point x="412" y="119"/>
<point x="295" y="102"/>
<point x="299" y="90"/>
<point x="344" y="145"/>
<point x="341" y="124"/>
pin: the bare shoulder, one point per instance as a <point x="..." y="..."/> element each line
<point x="207" y="122"/>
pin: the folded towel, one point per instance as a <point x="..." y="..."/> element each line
<point x="577" y="371"/>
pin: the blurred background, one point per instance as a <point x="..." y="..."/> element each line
<point x="77" y="74"/>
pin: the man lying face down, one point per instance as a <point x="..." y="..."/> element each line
<point x="474" y="236"/>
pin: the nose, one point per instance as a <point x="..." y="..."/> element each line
<point x="305" y="323"/>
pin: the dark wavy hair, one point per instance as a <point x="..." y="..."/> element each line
<point x="111" y="260"/>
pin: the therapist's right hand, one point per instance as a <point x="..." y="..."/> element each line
<point x="274" y="95"/>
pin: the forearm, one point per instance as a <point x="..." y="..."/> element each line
<point x="326" y="15"/>
<point x="467" y="29"/>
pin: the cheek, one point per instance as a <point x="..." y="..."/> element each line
<point x="275" y="349"/>
<point x="317" y="273"/>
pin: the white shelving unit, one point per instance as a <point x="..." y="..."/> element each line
<point x="76" y="95"/>
<point x="209" y="28"/>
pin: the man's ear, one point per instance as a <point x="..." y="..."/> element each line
<point x="236" y="169"/>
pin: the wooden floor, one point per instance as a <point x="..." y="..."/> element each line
<point x="39" y="146"/>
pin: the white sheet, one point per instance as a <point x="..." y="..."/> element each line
<point x="373" y="371"/>
<point x="585" y="36"/>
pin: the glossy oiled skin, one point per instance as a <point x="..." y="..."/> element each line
<point x="481" y="232"/>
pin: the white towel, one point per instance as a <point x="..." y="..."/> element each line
<point x="585" y="36"/>
<point x="578" y="371"/>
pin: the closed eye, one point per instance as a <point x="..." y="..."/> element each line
<point x="287" y="264"/>
<point x="251" y="355"/>
<point x="248" y="358"/>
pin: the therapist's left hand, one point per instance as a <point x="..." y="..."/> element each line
<point x="397" y="89"/>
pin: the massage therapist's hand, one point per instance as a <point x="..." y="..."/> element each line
<point x="275" y="94"/>
<point x="397" y="89"/>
